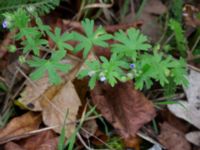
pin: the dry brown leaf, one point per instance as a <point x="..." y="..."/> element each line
<point x="124" y="107"/>
<point x="20" y="125"/>
<point x="172" y="138"/>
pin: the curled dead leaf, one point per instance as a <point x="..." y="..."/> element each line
<point x="124" y="107"/>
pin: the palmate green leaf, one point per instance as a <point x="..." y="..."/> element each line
<point x="178" y="72"/>
<point x="33" y="44"/>
<point x="162" y="69"/>
<point x="43" y="28"/>
<point x="130" y="43"/>
<point x="27" y="32"/>
<point x="20" y="18"/>
<point x="112" y="68"/>
<point x="88" y="26"/>
<point x="152" y="67"/>
<point x="50" y="66"/>
<point x="61" y="39"/>
<point x="93" y="37"/>
<point x="144" y="78"/>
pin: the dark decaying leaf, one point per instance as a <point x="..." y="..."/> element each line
<point x="124" y="107"/>
<point x="172" y="138"/>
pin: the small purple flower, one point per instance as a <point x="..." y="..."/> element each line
<point x="132" y="66"/>
<point x="4" y="24"/>
<point x="102" y="79"/>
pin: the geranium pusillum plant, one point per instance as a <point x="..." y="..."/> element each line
<point x="132" y="56"/>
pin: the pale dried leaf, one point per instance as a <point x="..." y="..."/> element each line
<point x="193" y="137"/>
<point x="190" y="110"/>
<point x="155" y="147"/>
<point x="65" y="102"/>
<point x="33" y="93"/>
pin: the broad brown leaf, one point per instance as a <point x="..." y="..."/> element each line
<point x="124" y="107"/>
<point x="17" y="126"/>
<point x="172" y="138"/>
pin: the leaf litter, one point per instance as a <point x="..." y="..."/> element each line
<point x="127" y="117"/>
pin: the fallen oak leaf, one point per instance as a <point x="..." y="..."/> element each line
<point x="19" y="125"/>
<point x="124" y="107"/>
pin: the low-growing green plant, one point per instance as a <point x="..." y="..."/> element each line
<point x="178" y="31"/>
<point x="132" y="56"/>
